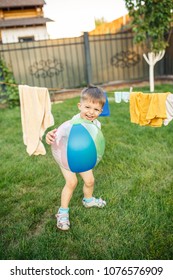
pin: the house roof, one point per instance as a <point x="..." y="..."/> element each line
<point x="20" y="3"/>
<point x="23" y="22"/>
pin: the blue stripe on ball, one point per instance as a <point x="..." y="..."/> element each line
<point x="81" y="150"/>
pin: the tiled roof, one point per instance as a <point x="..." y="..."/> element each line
<point x="23" y="22"/>
<point x="20" y="3"/>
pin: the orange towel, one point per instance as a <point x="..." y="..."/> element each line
<point x="36" y="117"/>
<point x="148" y="109"/>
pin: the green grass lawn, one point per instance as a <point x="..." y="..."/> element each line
<point x="135" y="177"/>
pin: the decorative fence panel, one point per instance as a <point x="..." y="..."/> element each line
<point x="74" y="62"/>
<point x="115" y="58"/>
<point x="48" y="63"/>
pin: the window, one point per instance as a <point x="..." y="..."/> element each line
<point x="26" y="39"/>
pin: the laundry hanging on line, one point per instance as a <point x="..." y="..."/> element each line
<point x="36" y="117"/>
<point x="169" y="109"/>
<point x="150" y="109"/>
<point x="122" y="96"/>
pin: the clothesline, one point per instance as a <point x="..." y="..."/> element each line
<point x="148" y="109"/>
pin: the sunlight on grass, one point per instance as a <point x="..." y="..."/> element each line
<point x="135" y="178"/>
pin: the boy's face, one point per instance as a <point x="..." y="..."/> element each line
<point x="89" y="110"/>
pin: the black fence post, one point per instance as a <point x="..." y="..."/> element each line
<point x="87" y="59"/>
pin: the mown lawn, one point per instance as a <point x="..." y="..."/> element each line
<point x="135" y="177"/>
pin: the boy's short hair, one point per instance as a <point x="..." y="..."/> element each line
<point x="95" y="94"/>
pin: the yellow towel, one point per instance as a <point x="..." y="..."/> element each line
<point x="157" y="109"/>
<point x="36" y="117"/>
<point x="135" y="107"/>
<point x="148" y="109"/>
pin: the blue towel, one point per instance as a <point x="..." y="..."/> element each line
<point x="106" y="111"/>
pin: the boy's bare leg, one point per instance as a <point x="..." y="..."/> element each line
<point x="88" y="179"/>
<point x="70" y="185"/>
<point x="62" y="216"/>
<point x="88" y="188"/>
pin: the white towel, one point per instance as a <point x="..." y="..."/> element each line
<point x="122" y="96"/>
<point x="169" y="109"/>
<point x="36" y="117"/>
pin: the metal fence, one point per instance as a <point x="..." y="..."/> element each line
<point x="74" y="62"/>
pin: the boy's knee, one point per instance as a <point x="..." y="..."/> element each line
<point x="72" y="183"/>
<point x="90" y="182"/>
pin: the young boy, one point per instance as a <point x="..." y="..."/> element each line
<point x="91" y="103"/>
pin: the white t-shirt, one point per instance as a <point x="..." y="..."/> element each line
<point x="96" y="122"/>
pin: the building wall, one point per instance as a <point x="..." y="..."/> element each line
<point x="12" y="14"/>
<point x="12" y="35"/>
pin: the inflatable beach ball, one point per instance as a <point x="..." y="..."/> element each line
<point x="79" y="145"/>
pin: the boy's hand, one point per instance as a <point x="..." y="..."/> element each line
<point x="50" y="136"/>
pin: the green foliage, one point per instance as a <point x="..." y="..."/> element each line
<point x="8" y="92"/>
<point x="135" y="178"/>
<point x="151" y="21"/>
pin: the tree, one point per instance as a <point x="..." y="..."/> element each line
<point x="151" y="24"/>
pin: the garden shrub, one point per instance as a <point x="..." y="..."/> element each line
<point x="9" y="94"/>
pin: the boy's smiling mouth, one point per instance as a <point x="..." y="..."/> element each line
<point x="89" y="117"/>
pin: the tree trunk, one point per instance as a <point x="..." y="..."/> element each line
<point x="152" y="59"/>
